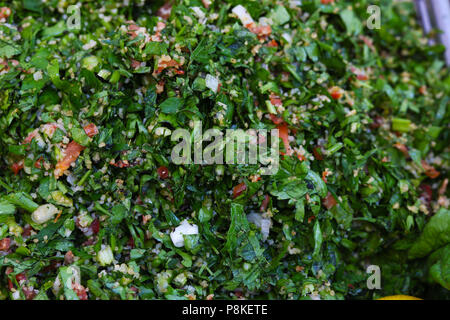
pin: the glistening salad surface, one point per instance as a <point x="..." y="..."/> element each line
<point x="93" y="207"/>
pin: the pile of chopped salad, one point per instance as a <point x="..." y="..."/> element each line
<point x="92" y="206"/>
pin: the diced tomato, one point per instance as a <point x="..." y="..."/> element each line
<point x="69" y="257"/>
<point x="402" y="148"/>
<point x="16" y="167"/>
<point x="5" y="64"/>
<point x="135" y="64"/>
<point x="8" y="271"/>
<point x="167" y="64"/>
<point x="260" y="31"/>
<point x="29" y="293"/>
<point x="163" y="172"/>
<point x="80" y="291"/>
<point x="336" y="92"/>
<point x="21" y="277"/>
<point x="256" y="178"/>
<point x="427" y="193"/>
<point x="283" y="132"/>
<point x="317" y="153"/>
<point x="95" y="226"/>
<point x="160" y="26"/>
<point x="301" y="157"/>
<point x="324" y="176"/>
<point x="4" y="244"/>
<point x="275" y="119"/>
<point x="360" y="74"/>
<point x="362" y="77"/>
<point x="72" y="153"/>
<point x="133" y="27"/>
<point x="264" y="203"/>
<point x="38" y="162"/>
<point x="239" y="189"/>
<point x="49" y="128"/>
<point x="179" y="72"/>
<point x="368" y="42"/>
<point x="272" y="44"/>
<point x="91" y="130"/>
<point x="326" y="1"/>
<point x="164" y="11"/>
<point x="275" y="100"/>
<point x="5" y="12"/>
<point x="120" y="164"/>
<point x="443" y="187"/>
<point x="30" y="136"/>
<point x="329" y="201"/>
<point x="10" y="285"/>
<point x="430" y="171"/>
<point x="206" y="3"/>
<point x="27" y="231"/>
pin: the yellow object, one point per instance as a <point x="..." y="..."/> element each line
<point x="399" y="297"/>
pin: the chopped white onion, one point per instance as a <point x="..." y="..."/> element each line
<point x="264" y="224"/>
<point x="212" y="83"/>
<point x="185" y="228"/>
<point x="105" y="255"/>
<point x="287" y="37"/>
<point x="242" y="14"/>
<point x="199" y="13"/>
<point x="44" y="213"/>
<point x="91" y="44"/>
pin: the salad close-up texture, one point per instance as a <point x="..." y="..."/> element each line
<point x="93" y="206"/>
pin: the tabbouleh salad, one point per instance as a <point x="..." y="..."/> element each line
<point x="92" y="207"/>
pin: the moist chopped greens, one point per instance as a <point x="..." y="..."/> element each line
<point x="93" y="207"/>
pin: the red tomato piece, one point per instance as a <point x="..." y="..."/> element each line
<point x="329" y="201"/>
<point x="91" y="130"/>
<point x="4" y="244"/>
<point x="239" y="189"/>
<point x="72" y="153"/>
